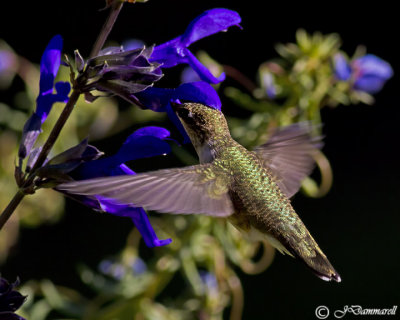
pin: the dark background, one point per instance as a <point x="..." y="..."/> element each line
<point x="356" y="224"/>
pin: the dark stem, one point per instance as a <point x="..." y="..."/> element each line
<point x="11" y="207"/>
<point x="55" y="132"/>
<point x="107" y="27"/>
<point x="240" y="77"/>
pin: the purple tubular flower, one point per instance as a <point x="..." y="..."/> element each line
<point x="143" y="143"/>
<point x="132" y="44"/>
<point x="371" y="73"/>
<point x="49" y="66"/>
<point x="10" y="300"/>
<point x="368" y="73"/>
<point x="176" y="51"/>
<point x="8" y="62"/>
<point x="159" y="99"/>
<point x="269" y="84"/>
<point x="119" y="72"/>
<point x="342" y="68"/>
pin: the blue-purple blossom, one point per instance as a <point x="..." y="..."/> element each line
<point x="368" y="73"/>
<point x="143" y="143"/>
<point x="119" y="72"/>
<point x="269" y="84"/>
<point x="210" y="282"/>
<point x="49" y="65"/>
<point x="8" y="66"/>
<point x="7" y="59"/>
<point x="10" y="300"/>
<point x="159" y="99"/>
<point x="132" y="44"/>
<point x="342" y="67"/>
<point x="176" y="51"/>
<point x="117" y="270"/>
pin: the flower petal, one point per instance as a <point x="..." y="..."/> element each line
<point x="139" y="218"/>
<point x="30" y="132"/>
<point x="141" y="147"/>
<point x="63" y="89"/>
<point x="132" y="44"/>
<point x="10" y="299"/>
<point x="342" y="68"/>
<point x="200" y="92"/>
<point x="202" y="70"/>
<point x="208" y="23"/>
<point x="373" y="65"/>
<point x="145" y="228"/>
<point x="175" y="51"/>
<point x="371" y="73"/>
<point x="50" y="63"/>
<point x="157" y="99"/>
<point x="143" y="143"/>
<point x="157" y="132"/>
<point x="169" y="54"/>
<point x="369" y="83"/>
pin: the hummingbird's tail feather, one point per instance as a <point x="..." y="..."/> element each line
<point x="321" y="267"/>
<point x="303" y="248"/>
<point x="308" y="251"/>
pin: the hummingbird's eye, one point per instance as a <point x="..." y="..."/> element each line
<point x="184" y="113"/>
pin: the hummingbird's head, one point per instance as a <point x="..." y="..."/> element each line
<point x="203" y="124"/>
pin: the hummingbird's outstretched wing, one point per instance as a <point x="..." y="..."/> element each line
<point x="289" y="154"/>
<point x="200" y="189"/>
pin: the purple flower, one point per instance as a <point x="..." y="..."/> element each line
<point x="342" y="68"/>
<point x="176" y="51"/>
<point x="8" y="66"/>
<point x="368" y="73"/>
<point x="268" y="82"/>
<point x="7" y="60"/>
<point x="10" y="300"/>
<point x="159" y="99"/>
<point x="119" y="72"/>
<point x="132" y="44"/>
<point x="209" y="279"/>
<point x="143" y="143"/>
<point x="49" y="66"/>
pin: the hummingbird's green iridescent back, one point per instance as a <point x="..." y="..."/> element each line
<point x="260" y="207"/>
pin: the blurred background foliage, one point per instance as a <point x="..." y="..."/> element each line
<point x="196" y="276"/>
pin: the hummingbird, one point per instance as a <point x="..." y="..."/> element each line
<point x="252" y="189"/>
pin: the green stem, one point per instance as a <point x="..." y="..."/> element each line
<point x="55" y="132"/>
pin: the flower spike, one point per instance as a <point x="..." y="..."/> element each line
<point x="49" y="65"/>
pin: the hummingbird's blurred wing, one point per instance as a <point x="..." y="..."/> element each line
<point x="200" y="189"/>
<point x="289" y="154"/>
